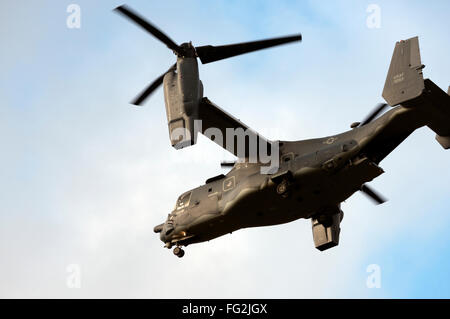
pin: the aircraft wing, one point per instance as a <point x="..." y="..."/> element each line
<point x="215" y="121"/>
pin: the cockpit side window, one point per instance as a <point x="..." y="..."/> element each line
<point x="183" y="200"/>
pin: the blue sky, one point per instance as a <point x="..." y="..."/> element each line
<point x="85" y="176"/>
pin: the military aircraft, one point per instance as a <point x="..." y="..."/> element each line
<point x="311" y="177"/>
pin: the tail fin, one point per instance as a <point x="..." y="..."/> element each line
<point x="404" y="81"/>
<point x="405" y="85"/>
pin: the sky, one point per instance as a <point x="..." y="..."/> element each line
<point x="85" y="176"/>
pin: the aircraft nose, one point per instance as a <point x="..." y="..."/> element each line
<point x="162" y="236"/>
<point x="162" y="232"/>
<point x="164" y="229"/>
<point x="158" y="228"/>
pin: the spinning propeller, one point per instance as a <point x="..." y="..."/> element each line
<point x="378" y="199"/>
<point x="377" y="110"/>
<point x="206" y="54"/>
<point x="225" y="164"/>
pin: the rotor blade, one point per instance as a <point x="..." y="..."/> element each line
<point x="227" y="164"/>
<point x="209" y="53"/>
<point x="127" y="12"/>
<point x="372" y="194"/>
<point x="378" y="109"/>
<point x="152" y="87"/>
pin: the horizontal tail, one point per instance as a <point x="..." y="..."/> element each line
<point x="405" y="85"/>
<point x="440" y="113"/>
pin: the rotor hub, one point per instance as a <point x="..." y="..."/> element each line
<point x="188" y="50"/>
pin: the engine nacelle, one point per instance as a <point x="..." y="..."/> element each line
<point x="183" y="91"/>
<point x="326" y="229"/>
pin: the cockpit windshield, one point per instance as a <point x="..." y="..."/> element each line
<point x="183" y="201"/>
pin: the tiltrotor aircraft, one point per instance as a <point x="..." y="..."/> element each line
<point x="313" y="176"/>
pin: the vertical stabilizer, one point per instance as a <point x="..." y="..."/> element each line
<point x="404" y="81"/>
